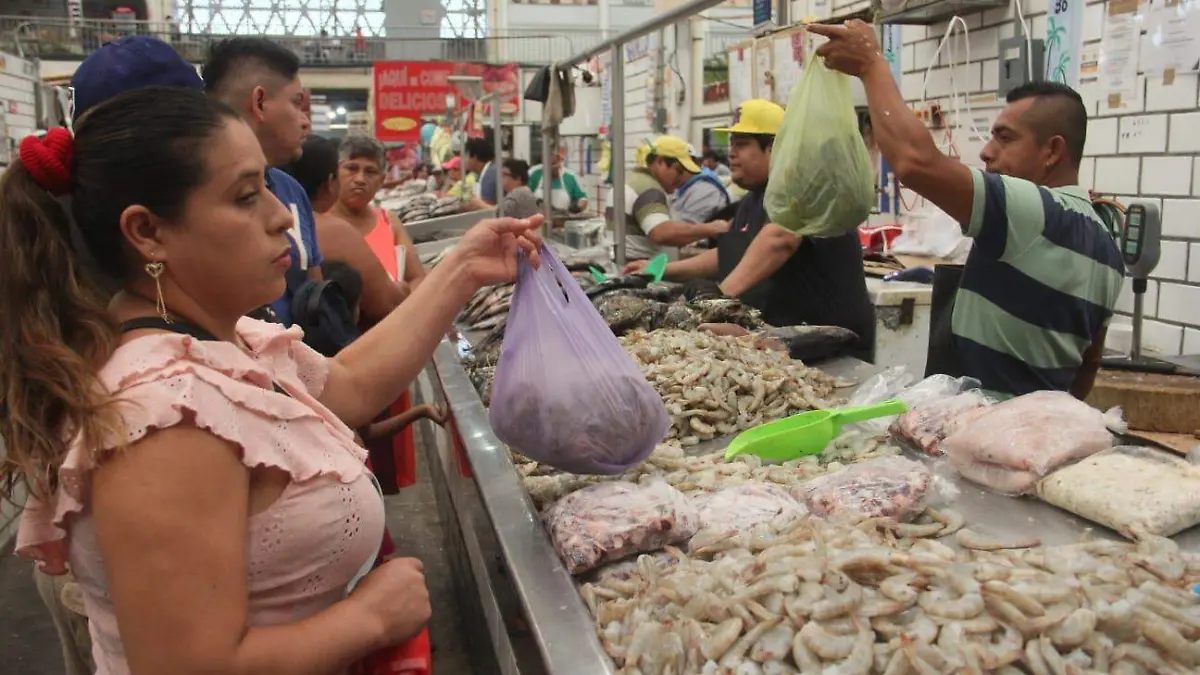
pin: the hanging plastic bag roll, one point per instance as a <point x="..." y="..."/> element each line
<point x="566" y="393"/>
<point x="822" y="183"/>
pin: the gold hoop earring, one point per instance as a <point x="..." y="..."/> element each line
<point x="155" y="270"/>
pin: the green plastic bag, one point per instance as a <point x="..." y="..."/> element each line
<point x="821" y="183"/>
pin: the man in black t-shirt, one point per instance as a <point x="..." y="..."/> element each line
<point x="792" y="280"/>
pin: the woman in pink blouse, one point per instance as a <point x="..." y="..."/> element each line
<point x="195" y="469"/>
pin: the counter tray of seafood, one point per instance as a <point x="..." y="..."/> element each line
<point x="427" y="216"/>
<point x="965" y="535"/>
<point x="871" y="557"/>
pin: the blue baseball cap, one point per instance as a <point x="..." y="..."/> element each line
<point x="131" y="62"/>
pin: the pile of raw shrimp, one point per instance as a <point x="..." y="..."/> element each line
<point x="802" y="595"/>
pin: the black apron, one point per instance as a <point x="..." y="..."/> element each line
<point x="732" y="247"/>
<point x="821" y="284"/>
<point x="943" y="357"/>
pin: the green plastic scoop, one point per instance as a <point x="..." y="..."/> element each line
<point x="807" y="433"/>
<point x="655" y="269"/>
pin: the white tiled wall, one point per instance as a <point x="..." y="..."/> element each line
<point x="1145" y="149"/>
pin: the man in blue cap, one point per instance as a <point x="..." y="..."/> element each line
<point x="139" y="61"/>
<point x="129" y="63"/>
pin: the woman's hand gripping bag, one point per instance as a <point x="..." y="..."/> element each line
<point x="566" y="393"/>
<point x="822" y="182"/>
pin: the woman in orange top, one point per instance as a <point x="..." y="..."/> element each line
<point x="316" y="171"/>
<point x="361" y="169"/>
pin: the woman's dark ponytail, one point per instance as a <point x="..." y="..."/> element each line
<point x="55" y="333"/>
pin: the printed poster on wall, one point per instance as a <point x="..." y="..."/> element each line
<point x="892" y="44"/>
<point x="741" y="74"/>
<point x="606" y="92"/>
<point x="1173" y="38"/>
<point x="1119" y="53"/>
<point x="789" y="62"/>
<point x="407" y="92"/>
<point x="1064" y="40"/>
<point x="763" y="69"/>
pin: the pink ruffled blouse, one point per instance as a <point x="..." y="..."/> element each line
<point x="302" y="551"/>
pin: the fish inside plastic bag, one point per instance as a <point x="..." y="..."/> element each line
<point x="890" y="487"/>
<point x="612" y="520"/>
<point x="822" y="182"/>
<point x="1016" y="442"/>
<point x="566" y="393"/>
<point x="1129" y="489"/>
<point x="927" y="424"/>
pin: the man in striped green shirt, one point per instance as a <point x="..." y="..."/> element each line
<point x="1044" y="273"/>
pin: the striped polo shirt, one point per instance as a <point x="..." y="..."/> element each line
<point x="1039" y="285"/>
<point x="646" y="207"/>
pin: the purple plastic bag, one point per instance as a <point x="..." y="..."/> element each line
<point x="566" y="393"/>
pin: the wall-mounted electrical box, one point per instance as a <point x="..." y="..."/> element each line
<point x="927" y="12"/>
<point x="1021" y="61"/>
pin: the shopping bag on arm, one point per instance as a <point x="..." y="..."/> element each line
<point x="822" y="182"/>
<point x="566" y="393"/>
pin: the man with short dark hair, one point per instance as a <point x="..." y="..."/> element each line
<point x="1030" y="309"/>
<point x="260" y="80"/>
<point x="712" y="161"/>
<point x="480" y="156"/>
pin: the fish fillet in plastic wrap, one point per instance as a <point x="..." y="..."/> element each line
<point x="609" y="521"/>
<point x="926" y="426"/>
<point x="1014" y="443"/>
<point x="891" y="487"/>
<point x="743" y="506"/>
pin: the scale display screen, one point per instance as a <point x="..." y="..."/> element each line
<point x="1134" y="222"/>
<point x="1140" y="239"/>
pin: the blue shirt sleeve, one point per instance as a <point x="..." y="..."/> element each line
<point x="288" y="191"/>
<point x="487" y="186"/>
<point x="308" y="230"/>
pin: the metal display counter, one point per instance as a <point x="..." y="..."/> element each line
<point x="524" y="612"/>
<point x="447" y="226"/>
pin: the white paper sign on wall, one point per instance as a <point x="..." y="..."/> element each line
<point x="1064" y="40"/>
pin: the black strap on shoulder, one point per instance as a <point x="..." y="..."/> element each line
<point x="183" y="328"/>
<point x="159" y="323"/>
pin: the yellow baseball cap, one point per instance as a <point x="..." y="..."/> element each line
<point x="676" y="149"/>
<point x="756" y="116"/>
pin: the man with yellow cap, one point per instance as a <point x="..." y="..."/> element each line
<point x="792" y="280"/>
<point x="665" y="167"/>
<point x="699" y="193"/>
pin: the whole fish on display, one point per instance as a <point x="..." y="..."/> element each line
<point x="617" y="284"/>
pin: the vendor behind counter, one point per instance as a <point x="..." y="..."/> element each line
<point x="1030" y="309"/>
<point x="792" y="280"/>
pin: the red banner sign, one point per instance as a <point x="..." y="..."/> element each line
<point x="407" y="92"/>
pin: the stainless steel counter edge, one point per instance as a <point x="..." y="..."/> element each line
<point x="564" y="630"/>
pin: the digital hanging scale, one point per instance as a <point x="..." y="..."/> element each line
<point x="1141" y="248"/>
